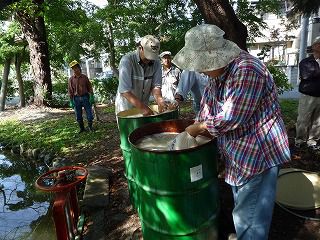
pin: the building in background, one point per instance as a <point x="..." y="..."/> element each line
<point x="94" y="68"/>
<point x="282" y="40"/>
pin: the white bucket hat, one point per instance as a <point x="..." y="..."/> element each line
<point x="151" y="47"/>
<point x="205" y="49"/>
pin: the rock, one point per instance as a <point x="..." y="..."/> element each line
<point x="35" y="153"/>
<point x="48" y="158"/>
<point x="41" y="156"/>
<point x="29" y="153"/>
<point x="22" y="150"/>
<point x="15" y="149"/>
<point x="60" y="162"/>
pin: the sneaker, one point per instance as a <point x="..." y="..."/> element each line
<point x="232" y="236"/>
<point x="311" y="142"/>
<point x="314" y="147"/>
<point x="299" y="143"/>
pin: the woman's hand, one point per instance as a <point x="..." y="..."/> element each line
<point x="196" y="128"/>
<point x="162" y="106"/>
<point x="146" y="111"/>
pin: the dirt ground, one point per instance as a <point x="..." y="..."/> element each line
<point x="123" y="222"/>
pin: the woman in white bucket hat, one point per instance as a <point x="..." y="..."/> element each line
<point x="239" y="107"/>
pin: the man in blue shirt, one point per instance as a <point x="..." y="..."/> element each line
<point x="193" y="82"/>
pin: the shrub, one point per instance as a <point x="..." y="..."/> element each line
<point x="105" y="89"/>
<point x="60" y="90"/>
<point x="280" y="78"/>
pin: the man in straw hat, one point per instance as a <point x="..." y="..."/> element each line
<point x="139" y="76"/>
<point x="240" y="107"/>
<point x="81" y="95"/>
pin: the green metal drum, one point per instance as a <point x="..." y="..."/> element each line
<point x="177" y="190"/>
<point x="127" y="122"/>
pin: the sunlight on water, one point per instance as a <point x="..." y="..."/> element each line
<point x="24" y="212"/>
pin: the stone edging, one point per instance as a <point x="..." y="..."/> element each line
<point x="49" y="159"/>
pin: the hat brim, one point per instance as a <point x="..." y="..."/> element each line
<point x="204" y="60"/>
<point x="151" y="55"/>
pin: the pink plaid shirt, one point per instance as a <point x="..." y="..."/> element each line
<point x="241" y="109"/>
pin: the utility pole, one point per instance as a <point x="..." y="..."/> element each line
<point x="303" y="41"/>
<point x="304" y="37"/>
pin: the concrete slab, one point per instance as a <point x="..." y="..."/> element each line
<point x="96" y="229"/>
<point x="96" y="200"/>
<point x="96" y="193"/>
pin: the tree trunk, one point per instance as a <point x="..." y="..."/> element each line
<point x="112" y="52"/>
<point x="17" y="64"/>
<point x="35" y="33"/>
<point x="4" y="85"/>
<point x="221" y="13"/>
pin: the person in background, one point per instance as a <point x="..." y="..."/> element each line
<point x="170" y="76"/>
<point x="193" y="82"/>
<point x="308" y="121"/>
<point x="240" y="107"/>
<point x="81" y="95"/>
<point x="139" y="76"/>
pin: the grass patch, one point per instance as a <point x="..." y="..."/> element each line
<point x="289" y="109"/>
<point x="186" y="107"/>
<point x="110" y="109"/>
<point x="55" y="135"/>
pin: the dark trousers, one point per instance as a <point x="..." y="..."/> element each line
<point x="80" y="102"/>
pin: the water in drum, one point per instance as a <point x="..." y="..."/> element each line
<point x="159" y="141"/>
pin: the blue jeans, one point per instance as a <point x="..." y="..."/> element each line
<point x="80" y="102"/>
<point x="254" y="202"/>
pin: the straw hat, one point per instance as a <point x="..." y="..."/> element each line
<point x="205" y="49"/>
<point x="73" y="63"/>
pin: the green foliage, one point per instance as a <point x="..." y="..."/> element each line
<point x="60" y="96"/>
<point x="265" y="52"/>
<point x="109" y="109"/>
<point x="131" y="20"/>
<point x="28" y="89"/>
<point x="280" y="78"/>
<point x="10" y="42"/>
<point x="251" y="17"/>
<point x="186" y="107"/>
<point x="105" y="89"/>
<point x="72" y="31"/>
<point x="305" y="7"/>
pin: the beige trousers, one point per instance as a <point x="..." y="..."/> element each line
<point x="308" y="121"/>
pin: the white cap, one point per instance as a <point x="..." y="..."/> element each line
<point x="316" y="40"/>
<point x="165" y="53"/>
<point x="151" y="47"/>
